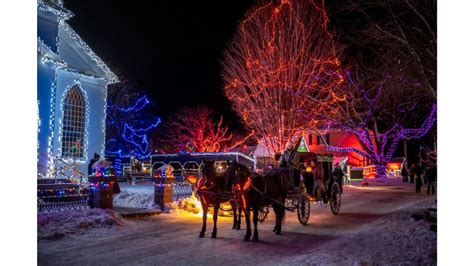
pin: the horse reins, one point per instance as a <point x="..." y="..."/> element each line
<point x="239" y="193"/>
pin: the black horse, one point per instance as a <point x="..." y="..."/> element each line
<point x="237" y="211"/>
<point x="253" y="191"/>
<point x="212" y="190"/>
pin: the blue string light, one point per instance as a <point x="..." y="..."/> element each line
<point x="140" y="104"/>
<point x="133" y="128"/>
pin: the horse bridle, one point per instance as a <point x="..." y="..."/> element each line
<point x="237" y="187"/>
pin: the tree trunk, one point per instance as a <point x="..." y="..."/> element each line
<point x="405" y="150"/>
<point x="381" y="170"/>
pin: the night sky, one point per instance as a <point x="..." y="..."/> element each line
<point x="172" y="49"/>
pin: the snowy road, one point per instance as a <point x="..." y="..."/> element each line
<point x="374" y="226"/>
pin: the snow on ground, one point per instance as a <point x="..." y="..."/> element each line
<point x="143" y="186"/>
<point x="142" y="194"/>
<point x="373" y="227"/>
<point x="56" y="225"/>
<point x="400" y="240"/>
<point x="135" y="199"/>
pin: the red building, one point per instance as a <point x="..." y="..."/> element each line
<point x="338" y="138"/>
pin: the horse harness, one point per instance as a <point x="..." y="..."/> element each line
<point x="205" y="188"/>
<point x="239" y="192"/>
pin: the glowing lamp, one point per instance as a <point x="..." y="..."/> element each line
<point x="393" y="166"/>
<point x="192" y="179"/>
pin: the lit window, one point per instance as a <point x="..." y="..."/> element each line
<point x="74" y="120"/>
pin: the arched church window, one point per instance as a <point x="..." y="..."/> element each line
<point x="73" y="124"/>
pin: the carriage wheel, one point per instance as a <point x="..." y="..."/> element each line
<point x="335" y="199"/>
<point x="303" y="209"/>
<point x="263" y="213"/>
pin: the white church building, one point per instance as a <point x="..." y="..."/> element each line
<point x="71" y="92"/>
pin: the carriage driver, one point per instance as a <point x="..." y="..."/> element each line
<point x="290" y="159"/>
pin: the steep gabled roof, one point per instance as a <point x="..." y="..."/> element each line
<point x="73" y="53"/>
<point x="78" y="55"/>
<point x="55" y="7"/>
<point x="48" y="54"/>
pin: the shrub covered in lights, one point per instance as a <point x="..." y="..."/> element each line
<point x="129" y="122"/>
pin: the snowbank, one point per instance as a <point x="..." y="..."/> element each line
<point x="135" y="199"/>
<point x="56" y="225"/>
<point x="393" y="239"/>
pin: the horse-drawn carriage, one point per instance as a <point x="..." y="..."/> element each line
<point x="300" y="198"/>
<point x="230" y="177"/>
<point x="188" y="166"/>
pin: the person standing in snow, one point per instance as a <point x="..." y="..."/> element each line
<point x="404" y="173"/>
<point x="91" y="172"/>
<point x="418" y="180"/>
<point x="91" y="163"/>
<point x="412" y="173"/>
<point x="431" y="175"/>
<point x="419" y="170"/>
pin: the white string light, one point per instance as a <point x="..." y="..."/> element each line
<point x="57" y="63"/>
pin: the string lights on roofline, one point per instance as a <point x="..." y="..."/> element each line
<point x="63" y="13"/>
<point x="47" y="56"/>
<point x="110" y="76"/>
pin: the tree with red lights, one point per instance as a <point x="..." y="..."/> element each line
<point x="281" y="69"/>
<point x="194" y="130"/>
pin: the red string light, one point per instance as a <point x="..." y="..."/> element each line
<point x="282" y="69"/>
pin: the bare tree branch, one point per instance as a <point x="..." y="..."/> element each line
<point x="193" y="130"/>
<point x="281" y="70"/>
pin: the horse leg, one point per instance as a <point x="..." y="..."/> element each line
<point x="239" y="219"/>
<point x="204" y="218"/>
<point x="275" y="210"/>
<point x="279" y="211"/>
<point x="216" y="211"/>
<point x="276" y="218"/>
<point x="255" y="222"/>
<point x="234" y="211"/>
<point x="247" y="221"/>
<point x="282" y="217"/>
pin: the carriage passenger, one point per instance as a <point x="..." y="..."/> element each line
<point x="309" y="177"/>
<point x="320" y="181"/>
<point x="290" y="159"/>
